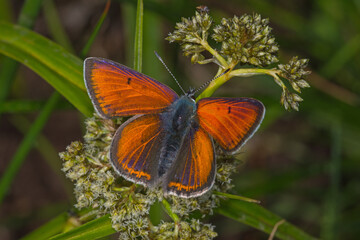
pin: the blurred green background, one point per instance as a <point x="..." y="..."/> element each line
<point x="303" y="166"/>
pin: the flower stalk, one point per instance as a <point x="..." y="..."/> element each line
<point x="245" y="40"/>
<point x="168" y="210"/>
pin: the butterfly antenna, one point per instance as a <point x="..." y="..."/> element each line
<point x="162" y="61"/>
<point x="208" y="82"/>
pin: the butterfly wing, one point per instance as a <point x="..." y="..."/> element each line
<point x="135" y="149"/>
<point x="194" y="170"/>
<point x="117" y="90"/>
<point x="230" y="121"/>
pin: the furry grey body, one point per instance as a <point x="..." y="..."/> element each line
<point x="177" y="122"/>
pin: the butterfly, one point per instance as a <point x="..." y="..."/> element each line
<point x="169" y="140"/>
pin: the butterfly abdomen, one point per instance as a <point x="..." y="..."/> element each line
<point x="177" y="121"/>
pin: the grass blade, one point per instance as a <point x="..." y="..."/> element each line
<point x="25" y="146"/>
<point x="138" y="36"/>
<point x="331" y="207"/>
<point x="5" y="11"/>
<point x="341" y="57"/>
<point x="29" y="12"/>
<point x="258" y="217"/>
<point x="27" y="18"/>
<point x="236" y="197"/>
<point x="55" y="226"/>
<point x="52" y="62"/>
<point x="100" y="227"/>
<point x="93" y="35"/>
<point x="26" y="106"/>
<point x="55" y="26"/>
<point x="45" y="148"/>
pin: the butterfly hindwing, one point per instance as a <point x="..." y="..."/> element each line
<point x="230" y="121"/>
<point x="135" y="149"/>
<point x="194" y="170"/>
<point x="117" y="90"/>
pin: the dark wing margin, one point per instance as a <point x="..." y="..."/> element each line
<point x="135" y="149"/>
<point x="193" y="174"/>
<point x="230" y="121"/>
<point x="117" y="90"/>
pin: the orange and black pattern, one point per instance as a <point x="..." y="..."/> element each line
<point x="136" y="146"/>
<point x="230" y="121"/>
<point x="117" y="90"/>
<point x="195" y="169"/>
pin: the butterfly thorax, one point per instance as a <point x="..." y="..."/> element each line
<point x="177" y="120"/>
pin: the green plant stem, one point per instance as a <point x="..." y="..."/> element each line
<point x="26" y="105"/>
<point x="51" y="61"/>
<point x="45" y="148"/>
<point x="341" y="57"/>
<point x="5" y="11"/>
<point x="258" y="217"/>
<point x="236" y="197"/>
<point x="55" y="226"/>
<point x="26" y="145"/>
<point x="332" y="201"/>
<point x="29" y="12"/>
<point x="95" y="229"/>
<point x="168" y="210"/>
<point x="138" y="36"/>
<point x="55" y="26"/>
<point x="43" y="145"/>
<point x="96" y="30"/>
<point x="221" y="60"/>
<point x="242" y="72"/>
<point x="27" y="17"/>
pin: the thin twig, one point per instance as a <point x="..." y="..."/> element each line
<point x="275" y="229"/>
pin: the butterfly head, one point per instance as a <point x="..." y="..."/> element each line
<point x="191" y="93"/>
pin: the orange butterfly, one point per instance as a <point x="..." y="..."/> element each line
<point x="169" y="140"/>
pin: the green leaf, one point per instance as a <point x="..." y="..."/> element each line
<point x="96" y="30"/>
<point x="51" y="228"/>
<point x="26" y="145"/>
<point x="52" y="62"/>
<point x="27" y="105"/>
<point x="138" y="36"/>
<point x="95" y="229"/>
<point x="332" y="203"/>
<point x="258" y="217"/>
<point x="27" y="18"/>
<point x="54" y="25"/>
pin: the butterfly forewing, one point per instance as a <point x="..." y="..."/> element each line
<point x="135" y="149"/>
<point x="194" y="170"/>
<point x="230" y="121"/>
<point x="117" y="90"/>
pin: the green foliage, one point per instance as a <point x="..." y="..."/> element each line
<point x="260" y="218"/>
<point x="25" y="146"/>
<point x="95" y="229"/>
<point x="63" y="72"/>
